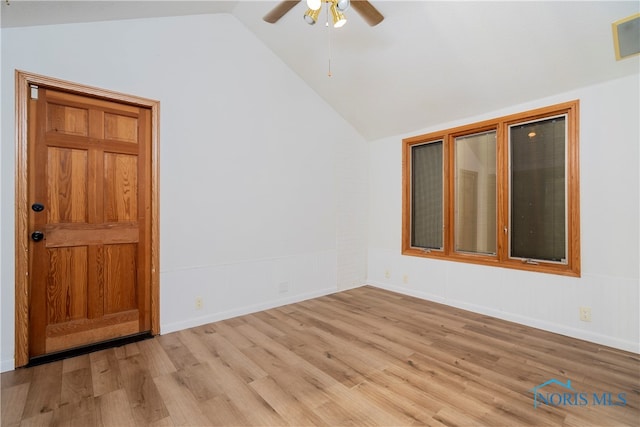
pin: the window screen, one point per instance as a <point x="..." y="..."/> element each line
<point x="426" y="196"/>
<point x="538" y="188"/>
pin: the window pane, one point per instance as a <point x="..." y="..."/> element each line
<point x="538" y="209"/>
<point x="426" y="195"/>
<point x="475" y="193"/>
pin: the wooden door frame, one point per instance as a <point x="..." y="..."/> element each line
<point x="23" y="82"/>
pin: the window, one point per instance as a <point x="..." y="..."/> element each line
<point x="502" y="192"/>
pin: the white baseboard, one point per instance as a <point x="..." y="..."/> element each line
<point x="523" y="320"/>
<point x="7" y="365"/>
<point x="215" y="317"/>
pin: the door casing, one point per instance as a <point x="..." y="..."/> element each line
<point x="24" y="81"/>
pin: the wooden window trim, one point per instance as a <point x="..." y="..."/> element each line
<point x="501" y="126"/>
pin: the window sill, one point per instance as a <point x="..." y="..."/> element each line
<point x="494" y="261"/>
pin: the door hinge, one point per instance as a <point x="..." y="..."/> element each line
<point x="34" y="92"/>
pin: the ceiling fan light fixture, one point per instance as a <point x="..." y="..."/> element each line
<point x="368" y="12"/>
<point x="338" y="17"/>
<point x="311" y="16"/>
<point x="314" y="4"/>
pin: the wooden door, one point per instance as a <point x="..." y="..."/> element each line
<point x="89" y="197"/>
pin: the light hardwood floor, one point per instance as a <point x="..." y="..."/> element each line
<point x="360" y="357"/>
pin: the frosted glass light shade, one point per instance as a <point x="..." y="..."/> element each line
<point x="343" y="5"/>
<point x="314" y="4"/>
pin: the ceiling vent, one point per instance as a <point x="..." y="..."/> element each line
<point x="626" y="36"/>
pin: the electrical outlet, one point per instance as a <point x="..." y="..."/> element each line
<point x="585" y="314"/>
<point x="198" y="303"/>
<point x="387" y="274"/>
<point x="283" y="287"/>
<point x="405" y="279"/>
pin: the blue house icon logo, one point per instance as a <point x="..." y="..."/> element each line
<point x="536" y="389"/>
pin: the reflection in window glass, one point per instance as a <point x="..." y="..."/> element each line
<point x="475" y="193"/>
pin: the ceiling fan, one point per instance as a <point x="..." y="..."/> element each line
<point x="365" y="9"/>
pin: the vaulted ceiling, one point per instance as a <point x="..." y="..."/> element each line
<point x="427" y="63"/>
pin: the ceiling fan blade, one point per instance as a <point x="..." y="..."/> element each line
<point x="369" y="13"/>
<point x="278" y="12"/>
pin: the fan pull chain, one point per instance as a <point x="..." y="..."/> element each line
<point x="329" y="41"/>
<point x="329" y="72"/>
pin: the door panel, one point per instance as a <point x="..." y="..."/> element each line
<point x="67" y="289"/>
<point x="120" y="128"/>
<point x="66" y="185"/>
<point x="121" y="187"/>
<point x="67" y="120"/>
<point x="89" y="278"/>
<point x="119" y="267"/>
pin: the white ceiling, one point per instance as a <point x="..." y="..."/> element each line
<point x="427" y="63"/>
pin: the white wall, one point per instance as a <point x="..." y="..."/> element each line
<point x="257" y="172"/>
<point x="609" y="159"/>
<point x="2" y="209"/>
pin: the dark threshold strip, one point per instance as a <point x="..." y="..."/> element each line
<point x="78" y="351"/>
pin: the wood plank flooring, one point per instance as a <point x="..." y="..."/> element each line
<point x="363" y="357"/>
